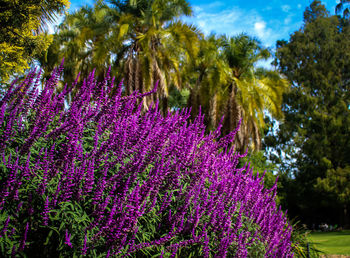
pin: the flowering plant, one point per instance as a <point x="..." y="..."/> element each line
<point x="101" y="177"/>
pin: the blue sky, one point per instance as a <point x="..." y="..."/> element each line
<point x="267" y="20"/>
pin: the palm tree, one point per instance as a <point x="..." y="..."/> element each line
<point x="48" y="12"/>
<point x="251" y="91"/>
<point x="156" y="43"/>
<point x="224" y="81"/>
<point x="340" y="7"/>
<point x="140" y="39"/>
<point x="82" y="40"/>
<point x="205" y="76"/>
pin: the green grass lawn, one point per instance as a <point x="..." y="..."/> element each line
<point x="332" y="242"/>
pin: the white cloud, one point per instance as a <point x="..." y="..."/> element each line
<point x="265" y="63"/>
<point x="201" y="24"/>
<point x="299" y="6"/>
<point x="259" y="28"/>
<point x="223" y="22"/>
<point x="285" y="8"/>
<point x="288" y="20"/>
<point x="197" y="9"/>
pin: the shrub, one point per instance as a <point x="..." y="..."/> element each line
<point x="103" y="178"/>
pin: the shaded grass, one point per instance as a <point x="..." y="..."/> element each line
<point x="332" y="242"/>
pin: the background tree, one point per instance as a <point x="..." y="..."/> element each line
<point x="315" y="133"/>
<point x="343" y="5"/>
<point x="157" y="42"/>
<point x="84" y="40"/>
<point x="206" y="76"/>
<point x="229" y="84"/>
<point x="252" y="90"/>
<point x="143" y="41"/>
<point x="337" y="182"/>
<point x="20" y="33"/>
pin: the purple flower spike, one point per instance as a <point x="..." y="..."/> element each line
<point x="134" y="181"/>
<point x="84" y="249"/>
<point x="45" y="213"/>
<point x="67" y="239"/>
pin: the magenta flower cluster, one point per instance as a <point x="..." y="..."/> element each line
<point x="148" y="184"/>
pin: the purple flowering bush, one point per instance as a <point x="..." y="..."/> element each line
<point x="101" y="177"/>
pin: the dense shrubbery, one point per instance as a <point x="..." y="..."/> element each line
<point x="103" y="178"/>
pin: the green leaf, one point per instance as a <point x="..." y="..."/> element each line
<point x="123" y="30"/>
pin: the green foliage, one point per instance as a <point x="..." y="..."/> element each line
<point x="337" y="181"/>
<point x="142" y="41"/>
<point x="20" y="40"/>
<point x="260" y="165"/>
<point x="226" y="82"/>
<point x="72" y="216"/>
<point x="337" y="184"/>
<point x="303" y="246"/>
<point x="178" y="99"/>
<point x="343" y="5"/>
<point x="314" y="136"/>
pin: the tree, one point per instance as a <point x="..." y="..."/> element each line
<point x="341" y="7"/>
<point x="142" y="40"/>
<point x="314" y="136"/>
<point x="20" y="37"/>
<point x="145" y="42"/>
<point x="227" y="83"/>
<point x="157" y="42"/>
<point x="207" y="76"/>
<point x="251" y="90"/>
<point x="84" y="40"/>
<point x="337" y="182"/>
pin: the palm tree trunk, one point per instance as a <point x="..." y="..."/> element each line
<point x="138" y="76"/>
<point x="213" y="112"/>
<point x="129" y="76"/>
<point x="162" y="87"/>
<point x="233" y="116"/>
<point x="257" y="137"/>
<point x="194" y="101"/>
<point x="165" y="106"/>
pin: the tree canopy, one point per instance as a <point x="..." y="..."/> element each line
<point x="20" y="33"/>
<point x="343" y="6"/>
<point x="145" y="42"/>
<point x="316" y="59"/>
